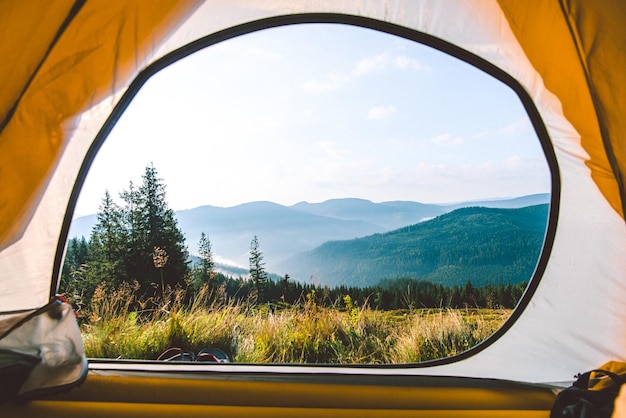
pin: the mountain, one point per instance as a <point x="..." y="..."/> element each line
<point x="387" y="215"/>
<point x="396" y="214"/>
<point x="82" y="226"/>
<point x="284" y="231"/>
<point x="516" y="202"/>
<point x="484" y="245"/>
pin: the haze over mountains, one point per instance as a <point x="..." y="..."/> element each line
<point x="286" y="231"/>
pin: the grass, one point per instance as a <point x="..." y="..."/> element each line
<point x="118" y="325"/>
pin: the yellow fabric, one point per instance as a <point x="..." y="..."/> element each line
<point x="94" y="410"/>
<point x="601" y="37"/>
<point x="599" y="381"/>
<point x="96" y="55"/>
<point x="14" y="18"/>
<point x="49" y="83"/>
<point x="198" y="394"/>
<point x="620" y="404"/>
<point x="51" y="409"/>
<point x="35" y="26"/>
<point x="566" y="63"/>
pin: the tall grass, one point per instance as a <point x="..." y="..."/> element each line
<point x="118" y="325"/>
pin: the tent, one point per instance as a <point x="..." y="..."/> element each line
<point x="71" y="66"/>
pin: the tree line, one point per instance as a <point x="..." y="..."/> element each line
<point x="393" y="294"/>
<point x="140" y="242"/>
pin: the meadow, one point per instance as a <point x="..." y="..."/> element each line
<point x="119" y="325"/>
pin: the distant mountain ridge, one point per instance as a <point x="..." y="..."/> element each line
<point x="386" y="215"/>
<point x="284" y="231"/>
<point x="484" y="245"/>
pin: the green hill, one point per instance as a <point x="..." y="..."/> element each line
<point x="484" y="245"/>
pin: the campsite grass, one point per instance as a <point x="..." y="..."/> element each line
<point x="117" y="325"/>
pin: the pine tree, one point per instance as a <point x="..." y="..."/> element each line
<point x="285" y="287"/>
<point x="455" y="300"/>
<point x="152" y="224"/>
<point x="107" y="245"/>
<point x="205" y="273"/>
<point x="75" y="257"/>
<point x="468" y="294"/>
<point x="74" y="268"/>
<point x="131" y="216"/>
<point x="257" y="270"/>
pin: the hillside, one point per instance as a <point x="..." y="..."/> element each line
<point x="484" y="245"/>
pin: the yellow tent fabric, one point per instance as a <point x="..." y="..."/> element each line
<point x="161" y="395"/>
<point x="68" y="63"/>
<point x="65" y="56"/>
<point x="584" y="42"/>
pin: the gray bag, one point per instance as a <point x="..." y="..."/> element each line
<point x="41" y="352"/>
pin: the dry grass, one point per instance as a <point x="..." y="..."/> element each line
<point x="119" y="326"/>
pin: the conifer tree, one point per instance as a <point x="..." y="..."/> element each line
<point x="468" y="294"/>
<point x="107" y="245"/>
<point x="71" y="282"/>
<point x="285" y="287"/>
<point x="75" y="256"/>
<point x="153" y="224"/>
<point x="131" y="216"/>
<point x="206" y="268"/>
<point x="257" y="270"/>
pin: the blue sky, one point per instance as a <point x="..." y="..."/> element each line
<point x="314" y="112"/>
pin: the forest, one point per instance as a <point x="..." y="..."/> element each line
<point x="141" y="243"/>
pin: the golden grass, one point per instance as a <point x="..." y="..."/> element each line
<point x="119" y="326"/>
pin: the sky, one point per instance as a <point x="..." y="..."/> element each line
<point x="315" y="112"/>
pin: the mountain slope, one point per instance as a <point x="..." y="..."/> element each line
<point x="485" y="245"/>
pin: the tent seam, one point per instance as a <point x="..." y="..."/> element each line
<point x="76" y="7"/>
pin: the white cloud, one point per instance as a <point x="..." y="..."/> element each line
<point x="381" y="62"/>
<point x="332" y="150"/>
<point x="447" y="138"/>
<point x="532" y="170"/>
<point x="361" y="68"/>
<point x="330" y="82"/>
<point x="381" y="112"/>
<point x="395" y="141"/>
<point x="514" y="162"/>
<point x="430" y="171"/>
<point x="519" y="126"/>
<point x="371" y="64"/>
<point x="406" y="63"/>
<point x="264" y="54"/>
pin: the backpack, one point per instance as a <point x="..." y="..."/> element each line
<point x="592" y="395"/>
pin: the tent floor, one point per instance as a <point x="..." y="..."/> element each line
<point x="195" y="393"/>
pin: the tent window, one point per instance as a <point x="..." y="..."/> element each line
<point x="310" y="193"/>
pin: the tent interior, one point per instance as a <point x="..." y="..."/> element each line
<point x="73" y="66"/>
